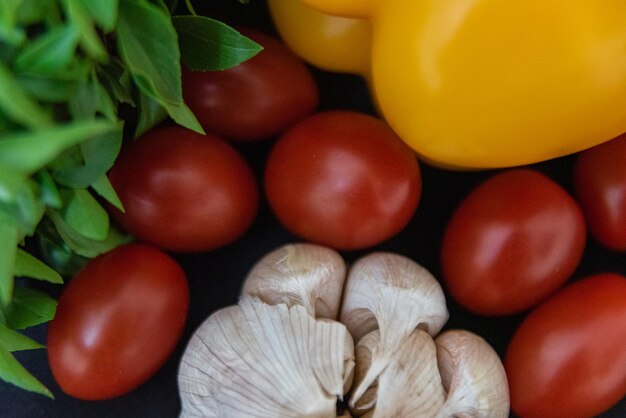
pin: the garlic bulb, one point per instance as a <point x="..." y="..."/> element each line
<point x="259" y="360"/>
<point x="299" y="274"/>
<point x="280" y="352"/>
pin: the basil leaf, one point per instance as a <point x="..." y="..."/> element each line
<point x="9" y="31"/>
<point x="18" y="105"/>
<point x="84" y="246"/>
<point x="28" y="308"/>
<point x="147" y="43"/>
<point x="60" y="87"/>
<point x="151" y="113"/>
<point x="98" y="153"/>
<point x="104" y="188"/>
<point x="51" y="53"/>
<point x="106" y="106"/>
<point x="117" y="80"/>
<point x="93" y="99"/>
<point x="89" y="40"/>
<point x="14" y="341"/>
<point x="33" y="11"/>
<point x="209" y="45"/>
<point x="49" y="194"/>
<point x="25" y="210"/>
<point x="6" y="51"/>
<point x="27" y="265"/>
<point x="12" y="371"/>
<point x="8" y="248"/>
<point x="11" y="182"/>
<point x="103" y="12"/>
<point x="86" y="216"/>
<point x="30" y="151"/>
<point x="56" y="252"/>
<point x="54" y="89"/>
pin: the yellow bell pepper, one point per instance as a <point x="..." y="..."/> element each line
<point x="328" y="42"/>
<point x="484" y="83"/>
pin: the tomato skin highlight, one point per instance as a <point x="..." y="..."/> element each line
<point x="568" y="357"/>
<point x="513" y="241"/>
<point x="343" y="179"/>
<point x="183" y="191"/>
<point x="600" y="187"/>
<point x="117" y="322"/>
<point x="256" y="100"/>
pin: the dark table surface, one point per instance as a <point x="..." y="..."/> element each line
<point x="215" y="278"/>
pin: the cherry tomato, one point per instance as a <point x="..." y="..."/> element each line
<point x="600" y="187"/>
<point x="513" y="241"/>
<point x="117" y="322"/>
<point x="343" y="179"/>
<point x="255" y="100"/>
<point x="568" y="357"/>
<point x="183" y="191"/>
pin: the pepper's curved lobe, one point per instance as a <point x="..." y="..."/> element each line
<point x="487" y="83"/>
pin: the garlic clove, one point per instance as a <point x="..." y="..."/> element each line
<point x="458" y="375"/>
<point x="410" y="385"/>
<point x="325" y="366"/>
<point x="363" y="356"/>
<point x="394" y="294"/>
<point x="299" y="274"/>
<point x="473" y="375"/>
<point x="260" y="360"/>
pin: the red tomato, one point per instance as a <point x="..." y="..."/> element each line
<point x="184" y="191"/>
<point x="255" y="100"/>
<point x="343" y="179"/>
<point x="514" y="240"/>
<point x="568" y="358"/>
<point x="117" y="322"/>
<point x="600" y="187"/>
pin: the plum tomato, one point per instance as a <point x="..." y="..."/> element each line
<point x="513" y="240"/>
<point x="343" y="179"/>
<point x="568" y="357"/>
<point x="256" y="100"/>
<point x="117" y="322"/>
<point x="600" y="187"/>
<point x="183" y="191"/>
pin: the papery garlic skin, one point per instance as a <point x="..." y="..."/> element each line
<point x="410" y="384"/>
<point x="299" y="274"/>
<point x="392" y="293"/>
<point x="363" y="356"/>
<point x="279" y="354"/>
<point x="259" y="360"/>
<point x="473" y="375"/>
<point x="395" y="295"/>
<point x="457" y="375"/>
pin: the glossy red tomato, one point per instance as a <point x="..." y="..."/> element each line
<point x="514" y="240"/>
<point x="600" y="187"/>
<point x="343" y="179"/>
<point x="568" y="357"/>
<point x="184" y="191"/>
<point x="117" y="322"/>
<point x="255" y="100"/>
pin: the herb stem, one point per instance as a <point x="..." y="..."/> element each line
<point x="190" y="8"/>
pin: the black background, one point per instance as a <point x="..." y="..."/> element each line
<point x="215" y="278"/>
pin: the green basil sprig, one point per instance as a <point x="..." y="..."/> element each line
<point x="70" y="71"/>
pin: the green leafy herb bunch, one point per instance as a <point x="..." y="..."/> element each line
<point x="77" y="78"/>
